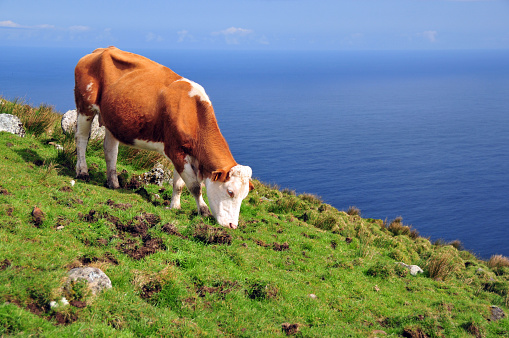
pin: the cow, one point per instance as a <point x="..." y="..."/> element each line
<point x="148" y="106"/>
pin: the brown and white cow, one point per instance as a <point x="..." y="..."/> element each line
<point x="146" y="105"/>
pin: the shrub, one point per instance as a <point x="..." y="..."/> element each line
<point x="310" y="198"/>
<point x="353" y="211"/>
<point x="397" y="228"/>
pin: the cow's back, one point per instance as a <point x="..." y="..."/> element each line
<point x="95" y="73"/>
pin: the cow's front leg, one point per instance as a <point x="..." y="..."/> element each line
<point x="82" y="135"/>
<point x="194" y="186"/>
<point x="110" y="155"/>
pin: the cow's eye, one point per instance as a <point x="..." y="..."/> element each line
<point x="230" y="192"/>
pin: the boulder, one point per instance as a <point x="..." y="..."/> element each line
<point x="96" y="278"/>
<point x="414" y="269"/>
<point x="11" y="124"/>
<point x="69" y="125"/>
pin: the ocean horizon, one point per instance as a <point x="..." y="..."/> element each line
<point x="418" y="134"/>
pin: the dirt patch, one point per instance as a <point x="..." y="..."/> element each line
<point x="333" y="244"/>
<point x="122" y="206"/>
<point x="107" y="258"/>
<point x="65" y="189"/>
<point x="65" y="318"/>
<point x="280" y="247"/>
<point x="91" y="217"/>
<point x="212" y="235"/>
<point x="78" y="303"/>
<point x="5" y="264"/>
<point x="149" y="289"/>
<point x="415" y="332"/>
<point x="222" y="288"/>
<point x="36" y="309"/>
<point x="261" y="243"/>
<point x="172" y="230"/>
<point x="4" y="191"/>
<point x="348" y="240"/>
<point x="290" y="329"/>
<point x="136" y="251"/>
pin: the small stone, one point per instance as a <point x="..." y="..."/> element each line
<point x="414" y="269"/>
<point x="73" y="182"/>
<point x="312" y="296"/>
<point x="496" y="313"/>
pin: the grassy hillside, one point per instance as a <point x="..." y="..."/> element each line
<point x="295" y="266"/>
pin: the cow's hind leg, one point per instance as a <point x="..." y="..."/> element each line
<point x="110" y="155"/>
<point x="83" y="127"/>
<point x="178" y="185"/>
<point x="194" y="187"/>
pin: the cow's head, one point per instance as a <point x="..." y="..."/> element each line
<point x="226" y="190"/>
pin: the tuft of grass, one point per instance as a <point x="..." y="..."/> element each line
<point x="36" y="121"/>
<point x="442" y="265"/>
<point x="142" y="159"/>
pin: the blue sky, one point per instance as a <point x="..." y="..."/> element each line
<point x="258" y="24"/>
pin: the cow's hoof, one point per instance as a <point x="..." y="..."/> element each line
<point x="83" y="177"/>
<point x="205" y="212"/>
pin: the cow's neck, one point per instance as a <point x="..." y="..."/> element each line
<point x="212" y="151"/>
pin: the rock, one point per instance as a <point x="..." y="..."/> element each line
<point x="69" y="125"/>
<point x="312" y="296"/>
<point x="496" y="313"/>
<point x="56" y="145"/>
<point x="61" y="302"/>
<point x="11" y="124"/>
<point x="96" y="278"/>
<point x="157" y="175"/>
<point x="414" y="269"/>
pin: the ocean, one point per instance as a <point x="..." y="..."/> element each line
<point x="418" y="134"/>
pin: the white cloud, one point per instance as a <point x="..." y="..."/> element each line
<point x="79" y="28"/>
<point x="233" y="34"/>
<point x="184" y="35"/>
<point x="152" y="37"/>
<point x="431" y="36"/>
<point x="9" y="24"/>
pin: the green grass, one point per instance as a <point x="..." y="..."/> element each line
<point x="293" y="260"/>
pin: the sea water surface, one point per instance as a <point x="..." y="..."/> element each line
<point x="418" y="134"/>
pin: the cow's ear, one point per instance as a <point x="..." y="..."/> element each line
<point x="219" y="175"/>
<point x="251" y="185"/>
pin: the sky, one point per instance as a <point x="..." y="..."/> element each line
<point x="257" y="24"/>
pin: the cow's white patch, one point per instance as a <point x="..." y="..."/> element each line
<point x="95" y="108"/>
<point x="148" y="145"/>
<point x="196" y="90"/>
<point x="225" y="198"/>
<point x="89" y="86"/>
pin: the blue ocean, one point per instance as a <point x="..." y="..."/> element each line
<point x="418" y="134"/>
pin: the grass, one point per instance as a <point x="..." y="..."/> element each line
<point x="295" y="265"/>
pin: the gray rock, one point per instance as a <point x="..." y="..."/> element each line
<point x="414" y="269"/>
<point x="68" y="124"/>
<point x="157" y="175"/>
<point x="496" y="313"/>
<point x="11" y="124"/>
<point x="97" y="280"/>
